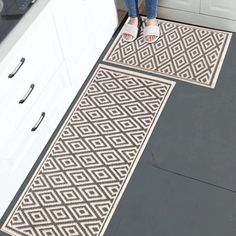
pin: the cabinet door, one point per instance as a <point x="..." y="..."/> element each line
<point x="219" y="8"/>
<point x="104" y="21"/>
<point x="74" y="32"/>
<point x="24" y="147"/>
<point x="84" y="28"/>
<point x="186" y="5"/>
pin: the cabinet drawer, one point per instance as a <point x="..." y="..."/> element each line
<point x="185" y="5"/>
<point x="40" y="48"/>
<point x="24" y="147"/>
<point x="219" y="8"/>
<point x="34" y="57"/>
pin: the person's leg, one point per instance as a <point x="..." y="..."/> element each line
<point x="151" y="8"/>
<point x="132" y="6"/>
<point x="151" y="12"/>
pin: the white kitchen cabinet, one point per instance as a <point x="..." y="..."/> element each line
<point x="210" y="13"/>
<point x="39" y="47"/>
<point x="72" y="25"/>
<point x="105" y="29"/>
<point x="185" y="5"/>
<point x="40" y="40"/>
<point x="24" y="146"/>
<point x="83" y="30"/>
<point x="219" y="8"/>
<point x="59" y="48"/>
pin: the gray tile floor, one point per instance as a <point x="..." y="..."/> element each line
<point x="185" y="183"/>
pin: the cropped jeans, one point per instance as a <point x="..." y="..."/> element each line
<point x="151" y="8"/>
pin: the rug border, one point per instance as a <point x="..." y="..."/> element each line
<point x="217" y="70"/>
<point x="59" y="130"/>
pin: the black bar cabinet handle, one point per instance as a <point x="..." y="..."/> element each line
<point x="27" y="94"/>
<point x="22" y="60"/>
<point x="39" y="121"/>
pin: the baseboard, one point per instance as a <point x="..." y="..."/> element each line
<point x="197" y="19"/>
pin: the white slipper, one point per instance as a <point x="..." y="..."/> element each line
<point x="131" y="30"/>
<point x="151" y="30"/>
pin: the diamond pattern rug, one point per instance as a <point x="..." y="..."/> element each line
<point x="189" y="53"/>
<point x="82" y="176"/>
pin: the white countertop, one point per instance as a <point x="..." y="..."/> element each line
<point x="21" y="27"/>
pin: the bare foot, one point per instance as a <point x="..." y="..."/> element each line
<point x="151" y="22"/>
<point x="132" y="21"/>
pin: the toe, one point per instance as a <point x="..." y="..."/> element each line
<point x="127" y="36"/>
<point x="151" y="38"/>
<point x="130" y="37"/>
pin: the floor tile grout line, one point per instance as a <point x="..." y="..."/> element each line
<point x="192" y="178"/>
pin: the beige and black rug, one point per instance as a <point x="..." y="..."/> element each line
<point x="189" y="53"/>
<point x="82" y="176"/>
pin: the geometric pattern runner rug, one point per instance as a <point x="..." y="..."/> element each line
<point x="189" y="53"/>
<point x="82" y="176"/>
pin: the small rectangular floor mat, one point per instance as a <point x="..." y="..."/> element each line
<point x="85" y="170"/>
<point x="189" y="53"/>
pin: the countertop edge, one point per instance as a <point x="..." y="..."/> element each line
<point x="19" y="29"/>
